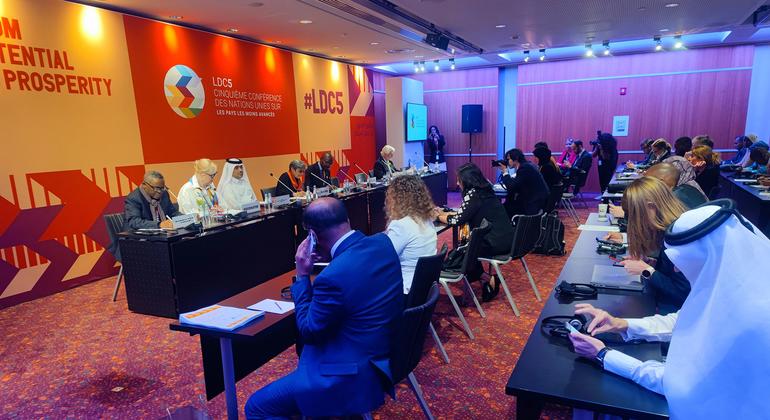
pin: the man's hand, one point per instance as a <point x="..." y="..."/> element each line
<point x="585" y="345"/>
<point x="630" y="165"/>
<point x="617" y="212"/>
<point x="503" y="168"/>
<point x="635" y="267"/>
<point x="304" y="258"/>
<point x="566" y="164"/>
<point x="602" y="321"/>
<point x="614" y="237"/>
<point x="166" y="224"/>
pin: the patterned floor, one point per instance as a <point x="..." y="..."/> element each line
<point x="76" y="354"/>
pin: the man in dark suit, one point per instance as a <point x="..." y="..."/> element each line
<point x="527" y="191"/>
<point x="578" y="172"/>
<point x="320" y="169"/>
<point x="345" y="318"/>
<point x="148" y="205"/>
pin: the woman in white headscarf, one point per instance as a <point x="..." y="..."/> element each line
<point x="234" y="186"/>
<point x="199" y="191"/>
<point x="717" y="366"/>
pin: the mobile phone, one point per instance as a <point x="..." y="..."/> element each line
<point x="615" y="258"/>
<point x="570" y="328"/>
<point x="605" y="242"/>
<point x="312" y="244"/>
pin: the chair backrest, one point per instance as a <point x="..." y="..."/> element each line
<point x="114" y="224"/>
<point x="716" y="190"/>
<point x="474" y="245"/>
<point x="268" y="190"/>
<point x="360" y="178"/>
<point x="371" y="173"/>
<point x="526" y="232"/>
<point x="410" y="340"/>
<point x="426" y="273"/>
<point x="553" y="197"/>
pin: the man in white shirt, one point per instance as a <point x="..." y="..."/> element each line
<point x="717" y="365"/>
<point x="234" y="186"/>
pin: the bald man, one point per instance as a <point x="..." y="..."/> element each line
<point x="320" y="169"/>
<point x="690" y="196"/>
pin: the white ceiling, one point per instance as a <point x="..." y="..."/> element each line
<point x="366" y="35"/>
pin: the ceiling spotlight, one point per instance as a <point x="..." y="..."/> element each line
<point x="305" y="21"/>
<point x="542" y="54"/>
<point x="658" y="43"/>
<point x="232" y="30"/>
<point x="435" y="65"/>
<point x="452" y="63"/>
<point x="672" y="4"/>
<point x="526" y="56"/>
<point x="606" y="45"/>
<point x="678" y="42"/>
<point x="422" y="66"/>
<point x="589" y="50"/>
<point x="416" y="67"/>
<point x="499" y="26"/>
<point x="374" y="43"/>
<point x="175" y="17"/>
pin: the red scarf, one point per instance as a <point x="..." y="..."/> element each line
<point x="296" y="182"/>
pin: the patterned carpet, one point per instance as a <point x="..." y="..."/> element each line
<point x="76" y="354"/>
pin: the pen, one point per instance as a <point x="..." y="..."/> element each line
<point x="168" y="217"/>
<point x="279" y="306"/>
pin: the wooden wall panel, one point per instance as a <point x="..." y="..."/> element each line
<point x="457" y="79"/>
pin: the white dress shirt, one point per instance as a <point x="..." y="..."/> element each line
<point x="411" y="240"/>
<point x="189" y="194"/>
<point x="339" y="242"/>
<point x="647" y="374"/>
<point x="235" y="193"/>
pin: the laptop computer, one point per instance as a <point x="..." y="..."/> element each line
<point x="611" y="277"/>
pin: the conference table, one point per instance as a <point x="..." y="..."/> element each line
<point x="548" y="370"/>
<point x="753" y="201"/>
<point x="179" y="271"/>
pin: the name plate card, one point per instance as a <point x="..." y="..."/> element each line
<point x="252" y="207"/>
<point x="322" y="192"/>
<point x="282" y="200"/>
<point x="182" y="221"/>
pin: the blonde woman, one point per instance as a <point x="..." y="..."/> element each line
<point x="650" y="208"/>
<point x="706" y="163"/>
<point x="199" y="191"/>
<point x="411" y="212"/>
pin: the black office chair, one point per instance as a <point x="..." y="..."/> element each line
<point x="471" y="254"/>
<point x="265" y="191"/>
<point x="553" y="197"/>
<point x="426" y="274"/>
<point x="526" y="232"/>
<point x="715" y="192"/>
<point x="409" y="345"/>
<point x="114" y="224"/>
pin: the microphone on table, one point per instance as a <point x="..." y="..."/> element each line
<point x="279" y="181"/>
<point x="168" y="190"/>
<point x="322" y="180"/>
<point x="359" y="168"/>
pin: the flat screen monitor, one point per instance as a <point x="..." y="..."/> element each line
<point x="416" y="122"/>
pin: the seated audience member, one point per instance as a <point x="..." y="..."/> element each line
<point x="480" y="203"/>
<point x="702" y="140"/>
<point x="528" y="191"/>
<point x="544" y="161"/>
<point x="719" y="338"/>
<point x="198" y="192"/>
<point x="568" y="156"/>
<point x="583" y="160"/>
<point x="758" y="159"/>
<point x="411" y="212"/>
<point x="646" y="147"/>
<point x="661" y="150"/>
<point x="682" y="145"/>
<point x="545" y="145"/>
<point x="650" y="208"/>
<point x="682" y="184"/>
<point x="384" y="167"/>
<point x="292" y="181"/>
<point x="742" y="144"/>
<point x="148" y="205"/>
<point x="318" y="175"/>
<point x="345" y="319"/>
<point x="706" y="165"/>
<point x="234" y="186"/>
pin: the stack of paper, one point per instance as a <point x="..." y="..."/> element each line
<point x="219" y="317"/>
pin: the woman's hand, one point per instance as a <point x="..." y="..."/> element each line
<point x="617" y="212"/>
<point x="635" y="267"/>
<point x="602" y="321"/>
<point x="585" y="345"/>
<point x="616" y="237"/>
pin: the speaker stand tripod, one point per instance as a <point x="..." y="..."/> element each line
<point x="470" y="146"/>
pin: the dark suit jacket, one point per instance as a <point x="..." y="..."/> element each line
<point x="346" y="320"/>
<point x="527" y="192"/>
<point x="689" y="196"/>
<point x="433" y="150"/>
<point x="584" y="161"/>
<point x="669" y="286"/>
<point x="708" y="179"/>
<point x="311" y="181"/>
<point x="137" y="211"/>
<point x="551" y="174"/>
<point x="279" y="186"/>
<point x="381" y="169"/>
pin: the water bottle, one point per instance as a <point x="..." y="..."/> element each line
<point x="308" y="198"/>
<point x="268" y="201"/>
<point x="206" y="215"/>
<point x="315" y="192"/>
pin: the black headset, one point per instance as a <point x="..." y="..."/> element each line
<point x="727" y="208"/>
<point x="554" y="325"/>
<point x="576" y="291"/>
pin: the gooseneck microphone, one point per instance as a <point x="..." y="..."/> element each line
<point x="279" y="181"/>
<point x="322" y="180"/>
<point x="362" y="171"/>
<point x="347" y="175"/>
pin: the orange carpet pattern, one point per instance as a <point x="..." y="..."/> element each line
<point x="77" y="354"/>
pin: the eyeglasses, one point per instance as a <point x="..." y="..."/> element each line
<point x="156" y="189"/>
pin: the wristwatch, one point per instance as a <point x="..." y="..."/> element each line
<point x="647" y="273"/>
<point x="600" y="356"/>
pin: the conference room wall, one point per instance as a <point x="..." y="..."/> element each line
<point x="71" y="158"/>
<point x="668" y="95"/>
<point x="445" y="93"/>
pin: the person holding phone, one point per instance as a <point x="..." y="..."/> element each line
<point x="345" y="317"/>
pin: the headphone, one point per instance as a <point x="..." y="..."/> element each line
<point x="576" y="291"/>
<point x="727" y="208"/>
<point x="554" y="325"/>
